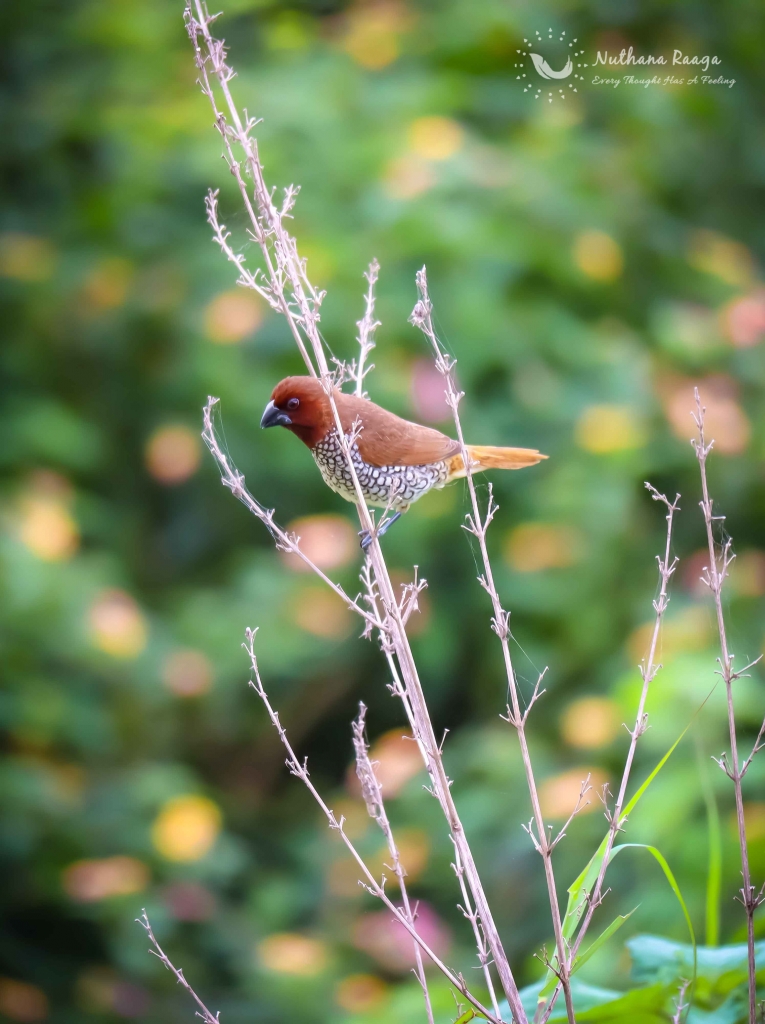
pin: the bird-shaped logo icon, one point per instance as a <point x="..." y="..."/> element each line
<point x="543" y="68"/>
<point x="396" y="462"/>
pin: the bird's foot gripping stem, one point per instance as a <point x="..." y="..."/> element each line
<point x="366" y="536"/>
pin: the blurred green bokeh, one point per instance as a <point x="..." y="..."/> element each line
<point x="590" y="260"/>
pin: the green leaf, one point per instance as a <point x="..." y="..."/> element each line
<point x="601" y="939"/>
<point x="714" y="869"/>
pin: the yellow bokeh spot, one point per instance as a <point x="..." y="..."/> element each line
<point x="117" y="625"/>
<point x="48" y="529"/>
<point x="232" y="316"/>
<point x="173" y="454"/>
<point x="558" y="795"/>
<point x="688" y="630"/>
<point x="754" y="818"/>
<point x="590" y="723"/>
<point x="187" y="673"/>
<point x="26" y="257"/>
<point x="88" y="881"/>
<point x="722" y="257"/>
<point x="435" y="138"/>
<point x="414" y="852"/>
<point x="609" y="428"/>
<point x="361" y="993"/>
<point x="106" y="286"/>
<point x="533" y="547"/>
<point x="372" y="35"/>
<point x="186" y="828"/>
<point x="290" y="953"/>
<point x="598" y="256"/>
<point x="322" y="613"/>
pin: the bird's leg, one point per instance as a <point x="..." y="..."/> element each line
<point x="366" y="536"/>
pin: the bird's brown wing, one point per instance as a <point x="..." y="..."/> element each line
<point x="387" y="440"/>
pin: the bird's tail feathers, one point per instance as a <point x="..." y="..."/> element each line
<point x="488" y="457"/>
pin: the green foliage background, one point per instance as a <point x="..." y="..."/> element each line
<point x="108" y="271"/>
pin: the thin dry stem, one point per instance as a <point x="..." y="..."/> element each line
<point x="207" y="1016"/>
<point x="287" y="284"/>
<point x="478" y="524"/>
<point x="300" y="769"/>
<point x="714" y="576"/>
<point x="648" y="671"/>
<point x="373" y="797"/>
<point x="367" y="327"/>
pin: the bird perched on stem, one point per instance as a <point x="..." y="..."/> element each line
<point x="396" y="461"/>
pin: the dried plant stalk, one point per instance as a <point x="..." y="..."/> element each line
<point x="373" y="798"/>
<point x="287" y="288"/>
<point x="478" y="524"/>
<point x="376" y="888"/>
<point x="714" y="577"/>
<point x="648" y="670"/>
<point x="207" y="1016"/>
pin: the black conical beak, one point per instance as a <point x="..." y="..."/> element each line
<point x="273" y="417"/>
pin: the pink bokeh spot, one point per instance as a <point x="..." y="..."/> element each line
<point x="386" y="940"/>
<point x="428" y="393"/>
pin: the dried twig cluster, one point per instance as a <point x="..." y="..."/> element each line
<point x="283" y="282"/>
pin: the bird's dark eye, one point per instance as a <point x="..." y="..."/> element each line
<point x="293" y="403"/>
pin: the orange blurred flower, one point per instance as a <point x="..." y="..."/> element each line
<point x="322" y="613"/>
<point x="408" y="176"/>
<point x="743" y="320"/>
<point x="117" y="625"/>
<point x="26" y="257"/>
<point x="330" y="541"/>
<point x="88" y="881"/>
<point x="291" y="953"/>
<point x="361" y="993"/>
<point x="396" y="759"/>
<point x="106" y="286"/>
<point x="726" y="421"/>
<point x="188" y="673"/>
<point x="21" y="1001"/>
<point x="687" y="630"/>
<point x="534" y="547"/>
<point x="232" y="316"/>
<point x="46" y="525"/>
<point x="559" y="793"/>
<point x="590" y="723"/>
<point x="372" y="34"/>
<point x="173" y="454"/>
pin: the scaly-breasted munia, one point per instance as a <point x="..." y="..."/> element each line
<point x="396" y="461"/>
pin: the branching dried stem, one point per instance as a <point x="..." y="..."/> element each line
<point x="367" y="327"/>
<point x="648" y="670"/>
<point x="207" y="1016"/>
<point x="373" y="798"/>
<point x="714" y="577"/>
<point x="289" y="290"/>
<point x="478" y="524"/>
<point x="680" y="1006"/>
<point x="300" y="769"/>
